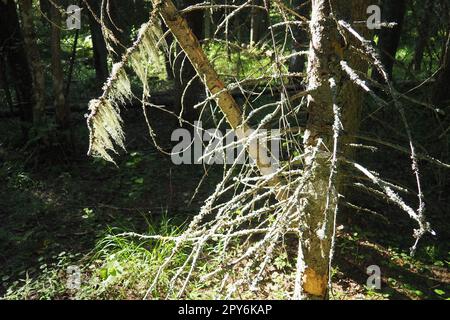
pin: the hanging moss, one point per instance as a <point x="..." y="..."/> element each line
<point x="104" y="120"/>
<point x="105" y="125"/>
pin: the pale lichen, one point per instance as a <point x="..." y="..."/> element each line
<point x="104" y="120"/>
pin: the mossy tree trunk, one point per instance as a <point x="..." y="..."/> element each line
<point x="333" y="88"/>
<point x="61" y="108"/>
<point x="34" y="58"/>
<point x="12" y="47"/>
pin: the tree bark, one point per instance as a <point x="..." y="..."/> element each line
<point x="389" y="38"/>
<point x="122" y="17"/>
<point x="34" y="58"/>
<point x="100" y="53"/>
<point x="61" y="108"/>
<point x="4" y="84"/>
<point x="441" y="92"/>
<point x="327" y="49"/>
<point x="423" y="30"/>
<point x="301" y="38"/>
<point x="259" y="22"/>
<point x="12" y="44"/>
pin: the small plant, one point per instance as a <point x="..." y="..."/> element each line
<point x="87" y="213"/>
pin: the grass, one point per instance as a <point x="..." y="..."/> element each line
<point x="122" y="268"/>
<point x="117" y="268"/>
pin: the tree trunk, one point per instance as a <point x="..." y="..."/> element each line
<point x="301" y="38"/>
<point x="259" y="22"/>
<point x="45" y="6"/>
<point x="389" y="38"/>
<point x="34" y="58"/>
<point x="187" y="92"/>
<point x="441" y="92"/>
<point x="168" y="56"/>
<point x="61" y="108"/>
<point x="423" y="30"/>
<point x="12" y="44"/>
<point x="4" y="83"/>
<point x="333" y="87"/>
<point x="208" y="27"/>
<point x="100" y="53"/>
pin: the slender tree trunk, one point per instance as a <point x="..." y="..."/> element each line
<point x="169" y="57"/>
<point x="258" y="22"/>
<point x="441" y="92"/>
<point x="208" y="24"/>
<point x="73" y="58"/>
<point x="4" y="83"/>
<point x="34" y="58"/>
<point x="389" y="38"/>
<point x="332" y="88"/>
<point x="187" y="92"/>
<point x="351" y="95"/>
<point x="45" y="6"/>
<point x="12" y="44"/>
<point x="301" y="38"/>
<point x="61" y="108"/>
<point x="321" y="68"/>
<point x="100" y="53"/>
<point x="423" y="30"/>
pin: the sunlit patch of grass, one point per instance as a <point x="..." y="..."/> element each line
<point x="123" y="267"/>
<point x="117" y="268"/>
<point x="120" y="267"/>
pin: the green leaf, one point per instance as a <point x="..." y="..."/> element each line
<point x="439" y="292"/>
<point x="438" y="263"/>
<point x="418" y="293"/>
<point x="112" y="271"/>
<point x="103" y="273"/>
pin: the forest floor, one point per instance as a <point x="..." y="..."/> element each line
<point x="57" y="211"/>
